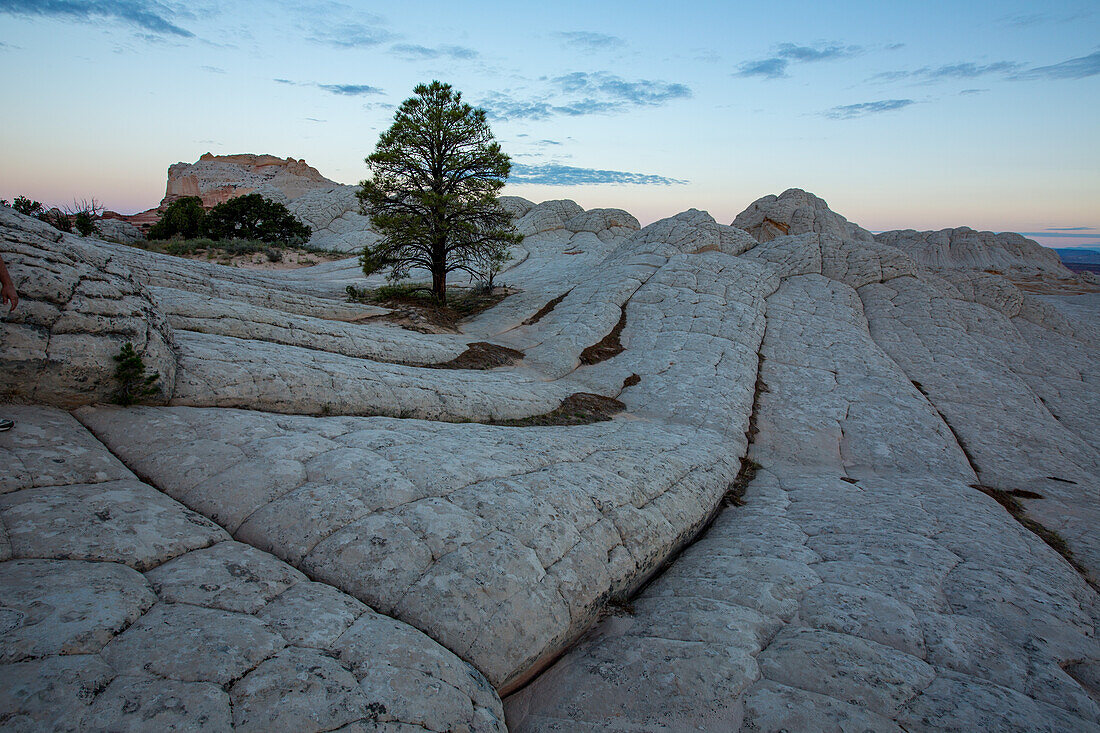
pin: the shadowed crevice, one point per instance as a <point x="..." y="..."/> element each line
<point x="608" y="346"/>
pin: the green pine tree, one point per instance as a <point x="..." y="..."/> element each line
<point x="134" y="385"/>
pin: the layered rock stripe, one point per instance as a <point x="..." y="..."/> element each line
<point x="861" y="582"/>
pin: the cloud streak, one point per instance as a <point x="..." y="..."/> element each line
<point x="554" y="174"/>
<point x="852" y="111"/>
<point x="413" y="52"/>
<point x="1078" y="68"/>
<point x="148" y="15"/>
<point x="584" y="93"/>
<point x="589" y="41"/>
<point x="344" y="90"/>
<point x="775" y="66"/>
<point x="947" y="72"/>
<point x="354" y="34"/>
<point x="643" y="92"/>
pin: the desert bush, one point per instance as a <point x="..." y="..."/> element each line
<point x="254" y="217"/>
<point x="183" y="217"/>
<point x="57" y="219"/>
<point x="84" y="223"/>
<point x="83" y="215"/>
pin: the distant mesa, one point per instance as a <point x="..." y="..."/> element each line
<point x="217" y="178"/>
<point x="329" y="208"/>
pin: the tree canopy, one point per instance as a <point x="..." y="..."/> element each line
<point x="244" y="217"/>
<point x="254" y="217"/>
<point x="183" y="216"/>
<point x="432" y="194"/>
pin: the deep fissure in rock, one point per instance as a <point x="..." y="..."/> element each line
<point x="1009" y="500"/>
<point x="545" y="310"/>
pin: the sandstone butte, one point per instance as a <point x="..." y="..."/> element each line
<point x="854" y="483"/>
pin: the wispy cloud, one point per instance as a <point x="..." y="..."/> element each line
<point x="554" y="174"/>
<point x="973" y="91"/>
<point x="589" y="41"/>
<point x="354" y="34"/>
<point x="213" y="69"/>
<point x="504" y="106"/>
<point x="773" y="68"/>
<point x="345" y="90"/>
<point x="947" y="72"/>
<point x="584" y="93"/>
<point x="1078" y="68"/>
<point x="851" y="111"/>
<point x="349" y="90"/>
<point x="776" y="65"/>
<point x="795" y="52"/>
<point x="1029" y="20"/>
<point x="413" y="52"/>
<point x="643" y="92"/>
<point x="1070" y="233"/>
<point x="148" y="15"/>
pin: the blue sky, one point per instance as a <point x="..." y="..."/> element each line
<point x="899" y="114"/>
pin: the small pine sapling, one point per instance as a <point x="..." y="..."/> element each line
<point x="134" y="385"/>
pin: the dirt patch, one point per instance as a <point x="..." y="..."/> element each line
<point x="608" y="346"/>
<point x="1052" y="286"/>
<point x="543" y="311"/>
<point x="481" y="355"/>
<point x="416" y="310"/>
<point x="631" y="381"/>
<point x="581" y="408"/>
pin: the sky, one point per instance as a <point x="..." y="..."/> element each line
<point x="899" y="114"/>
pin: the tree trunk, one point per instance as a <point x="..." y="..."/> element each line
<point x="439" y="283"/>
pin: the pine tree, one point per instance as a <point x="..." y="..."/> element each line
<point x="134" y="384"/>
<point x="432" y="195"/>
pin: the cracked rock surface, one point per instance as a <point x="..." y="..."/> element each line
<point x="120" y="609"/>
<point x="853" y="485"/>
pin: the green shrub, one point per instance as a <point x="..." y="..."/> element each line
<point x="183" y="216"/>
<point x="254" y="217"/>
<point x="84" y="223"/>
<point x="24" y="205"/>
<point x="134" y="384"/>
